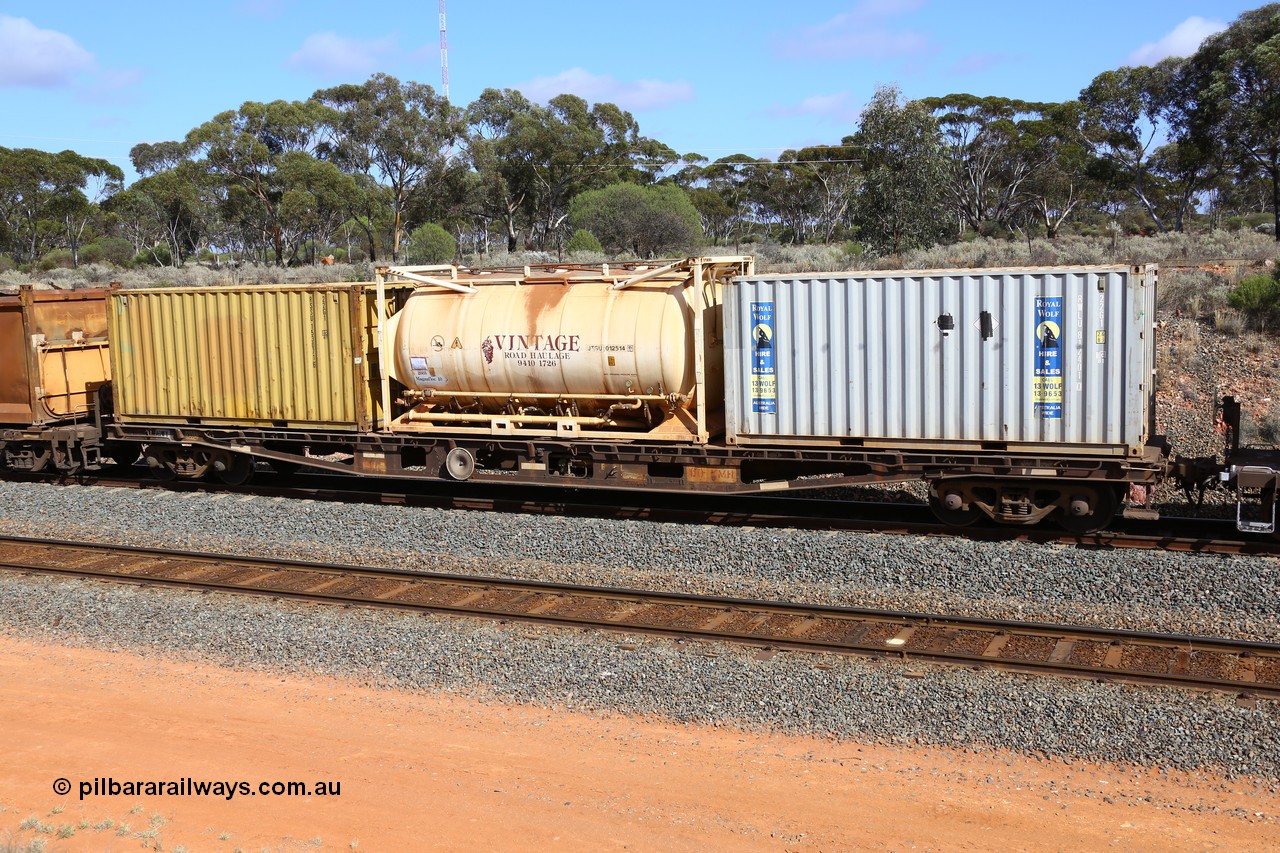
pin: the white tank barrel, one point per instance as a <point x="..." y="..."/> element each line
<point x="582" y="341"/>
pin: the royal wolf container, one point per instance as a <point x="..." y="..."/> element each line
<point x="1030" y="359"/>
<point x="53" y="345"/>
<point x="266" y="355"/>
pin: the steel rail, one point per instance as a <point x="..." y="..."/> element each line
<point x="1248" y="668"/>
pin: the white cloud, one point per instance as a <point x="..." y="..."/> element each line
<point x="838" y="108"/>
<point x="1181" y="41"/>
<point x="637" y="95"/>
<point x="30" y="56"/>
<point x="329" y="55"/>
<point x="862" y="32"/>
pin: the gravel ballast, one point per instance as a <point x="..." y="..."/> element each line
<point x="821" y="695"/>
<point x="1140" y="590"/>
<point x="702" y="683"/>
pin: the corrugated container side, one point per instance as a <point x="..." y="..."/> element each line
<point x="262" y="355"/>
<point x="829" y="357"/>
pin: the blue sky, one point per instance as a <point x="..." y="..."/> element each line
<point x="714" y="78"/>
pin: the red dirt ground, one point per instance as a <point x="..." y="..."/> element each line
<point x="442" y="772"/>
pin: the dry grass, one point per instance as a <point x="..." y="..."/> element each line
<point x="1229" y="322"/>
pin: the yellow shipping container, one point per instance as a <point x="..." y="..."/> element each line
<point x="268" y="355"/>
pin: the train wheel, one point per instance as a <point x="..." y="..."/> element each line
<point x="1090" y="510"/>
<point x="234" y="469"/>
<point x="949" y="508"/>
<point x="162" y="463"/>
<point x="167" y="463"/>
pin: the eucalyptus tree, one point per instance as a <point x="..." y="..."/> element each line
<point x="571" y="147"/>
<point x="785" y="197"/>
<point x="533" y="159"/>
<point x="316" y="201"/>
<point x="47" y="198"/>
<point x="646" y="220"/>
<point x="994" y="147"/>
<point x="901" y="201"/>
<point x="177" y="192"/>
<point x="504" y="174"/>
<point x="1233" y="82"/>
<point x="402" y="135"/>
<point x="1064" y="179"/>
<point x="1128" y="114"/>
<point x="246" y="149"/>
<point x="722" y="193"/>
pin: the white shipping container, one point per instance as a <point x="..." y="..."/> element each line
<point x="980" y="359"/>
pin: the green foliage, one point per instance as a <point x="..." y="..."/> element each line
<point x="1178" y="148"/>
<point x="900" y="203"/>
<point x="157" y="256"/>
<point x="1248" y="221"/>
<point x="57" y="258"/>
<point x="643" y="220"/>
<point x="583" y="241"/>
<point x="1257" y="297"/>
<point x="109" y="250"/>
<point x="431" y="244"/>
<point x="398" y="136"/>
<point x="46" y="199"/>
<point x="852" y="251"/>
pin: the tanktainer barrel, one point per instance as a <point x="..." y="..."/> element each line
<point x="582" y="341"/>
<point x="563" y="349"/>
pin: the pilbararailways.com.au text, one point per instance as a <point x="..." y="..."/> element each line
<point x="187" y="787"/>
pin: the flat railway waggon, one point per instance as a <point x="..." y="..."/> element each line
<point x="1017" y="395"/>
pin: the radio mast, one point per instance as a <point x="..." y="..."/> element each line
<point x="444" y="55"/>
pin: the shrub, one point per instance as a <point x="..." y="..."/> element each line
<point x="643" y="220"/>
<point x="107" y="250"/>
<point x="431" y="244"/>
<point x="56" y="259"/>
<point x="852" y="252"/>
<point x="1257" y="296"/>
<point x="1191" y="291"/>
<point x="583" y="241"/>
<point x="157" y="256"/>
<point x="1247" y="221"/>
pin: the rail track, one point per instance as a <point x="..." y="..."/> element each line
<point x="1198" y="535"/>
<point x="1247" y="668"/>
